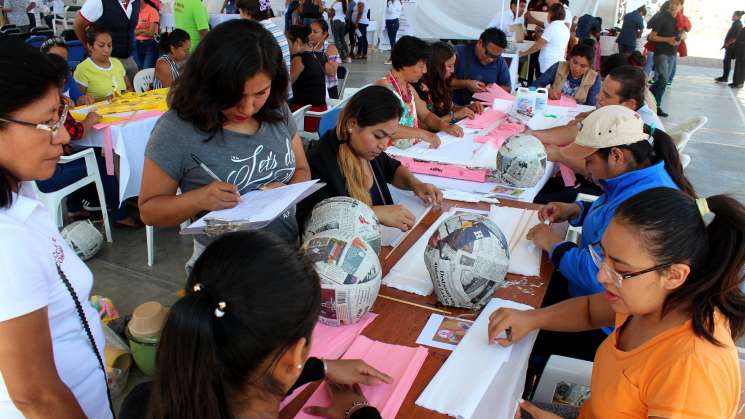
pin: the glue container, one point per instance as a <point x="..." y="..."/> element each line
<point x="541" y="99"/>
<point x="525" y="101"/>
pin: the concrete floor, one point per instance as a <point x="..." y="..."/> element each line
<point x="718" y="151"/>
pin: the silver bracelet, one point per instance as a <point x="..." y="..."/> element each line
<point x="355" y="407"/>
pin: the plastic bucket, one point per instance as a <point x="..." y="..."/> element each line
<point x="143" y="352"/>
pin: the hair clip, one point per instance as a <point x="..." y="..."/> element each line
<point x="264" y="5"/>
<point x="703" y="206"/>
<point x="197" y="287"/>
<point x="220" y="310"/>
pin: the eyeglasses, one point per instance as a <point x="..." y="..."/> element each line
<point x="596" y="253"/>
<point x="52" y="129"/>
<point x="490" y="55"/>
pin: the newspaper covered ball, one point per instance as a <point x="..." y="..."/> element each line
<point x="347" y="215"/>
<point x="467" y="258"/>
<point x="521" y="161"/>
<point x="350" y="274"/>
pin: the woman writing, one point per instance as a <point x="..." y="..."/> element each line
<point x="351" y="160"/>
<point x="574" y="78"/>
<point x="319" y="35"/>
<point x="175" y="46"/>
<point x="434" y="87"/>
<point x="553" y="41"/>
<point x="57" y="371"/>
<point x="409" y="58"/>
<point x="228" y="110"/>
<point x="251" y="338"/>
<point x="307" y="71"/>
<point x="100" y="75"/>
<point x="671" y="286"/>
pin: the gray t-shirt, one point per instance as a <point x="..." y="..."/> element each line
<point x="247" y="161"/>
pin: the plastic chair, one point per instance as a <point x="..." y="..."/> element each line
<point x="53" y="200"/>
<point x="144" y="80"/>
<point x="299" y="117"/>
<point x="150" y="238"/>
<point x="75" y="53"/>
<point x="333" y="104"/>
<point x="40" y="30"/>
<point x="36" y="40"/>
<point x="328" y="121"/>
<point x="341" y="74"/>
<point x="683" y="132"/>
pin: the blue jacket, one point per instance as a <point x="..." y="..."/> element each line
<point x="575" y="262"/>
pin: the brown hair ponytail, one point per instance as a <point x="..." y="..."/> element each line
<point x="674" y="231"/>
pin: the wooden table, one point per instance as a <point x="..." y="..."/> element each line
<point x="401" y="324"/>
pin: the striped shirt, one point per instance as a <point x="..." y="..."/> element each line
<point x="174" y="71"/>
<point x="284" y="45"/>
<point x="331" y="81"/>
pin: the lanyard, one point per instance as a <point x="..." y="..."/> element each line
<point x="375" y="181"/>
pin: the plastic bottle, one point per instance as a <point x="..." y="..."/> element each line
<point x="525" y="101"/>
<point x="541" y="99"/>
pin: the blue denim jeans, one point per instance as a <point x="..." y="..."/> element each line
<point x="362" y="39"/>
<point x="146" y="53"/>
<point x="663" y="68"/>
<point x="69" y="173"/>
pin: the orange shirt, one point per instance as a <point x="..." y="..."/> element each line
<point x="148" y="16"/>
<point x="674" y="375"/>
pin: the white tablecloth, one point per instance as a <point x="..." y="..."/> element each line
<point x="129" y="142"/>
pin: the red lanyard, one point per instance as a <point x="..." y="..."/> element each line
<point x="405" y="96"/>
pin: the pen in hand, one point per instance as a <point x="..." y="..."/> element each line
<point x="207" y="170"/>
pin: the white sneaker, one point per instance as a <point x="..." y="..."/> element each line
<point x="349" y="60"/>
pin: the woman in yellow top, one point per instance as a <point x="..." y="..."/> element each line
<point x="672" y="284"/>
<point x="100" y="75"/>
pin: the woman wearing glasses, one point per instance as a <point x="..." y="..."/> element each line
<point x="670" y="275"/>
<point x="51" y="339"/>
<point x="625" y="157"/>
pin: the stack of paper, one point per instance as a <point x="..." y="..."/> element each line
<point x="565" y="101"/>
<point x="329" y="342"/>
<point x="257" y="208"/>
<point x="493" y="91"/>
<point x="400" y="362"/>
<point x="485" y="119"/>
<point x="391" y="236"/>
<point x="481" y="380"/>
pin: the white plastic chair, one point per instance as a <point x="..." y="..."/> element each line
<point x="150" y="238"/>
<point x="683" y="132"/>
<point x="144" y="80"/>
<point x="53" y="200"/>
<point x="299" y="117"/>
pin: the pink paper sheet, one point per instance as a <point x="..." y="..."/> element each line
<point x="493" y="92"/>
<point x="401" y="362"/>
<point x="567" y="175"/>
<point x="108" y="146"/>
<point x="486" y="118"/>
<point x="565" y="101"/>
<point x="331" y="342"/>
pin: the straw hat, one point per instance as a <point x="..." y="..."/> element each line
<point x="148" y="319"/>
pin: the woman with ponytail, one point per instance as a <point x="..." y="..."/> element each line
<point x="175" y="46"/>
<point x="351" y="160"/>
<point x="238" y="341"/>
<point x="670" y="267"/>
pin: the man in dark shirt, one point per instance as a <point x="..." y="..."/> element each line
<point x="633" y="26"/>
<point x="666" y="39"/>
<point x="729" y="45"/>
<point x="588" y="26"/>
<point x="480" y="64"/>
<point x="739" y="77"/>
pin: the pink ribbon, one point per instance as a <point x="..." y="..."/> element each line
<point x="108" y="143"/>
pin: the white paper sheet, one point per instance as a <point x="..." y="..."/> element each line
<point x="524" y="258"/>
<point x="480" y="380"/>
<point x="410" y="273"/>
<point x="258" y="208"/>
<point x="391" y="236"/>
